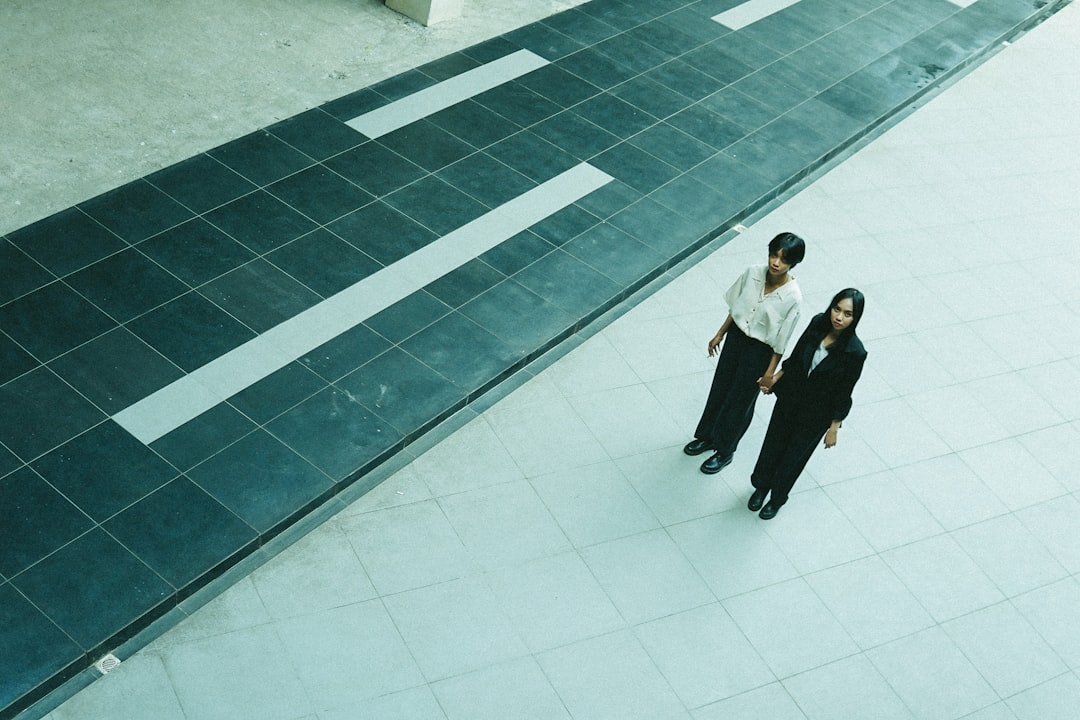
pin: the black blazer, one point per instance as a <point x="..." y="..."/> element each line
<point x="823" y="395"/>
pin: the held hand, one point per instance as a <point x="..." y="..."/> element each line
<point x="830" y="437"/>
<point x="765" y="384"/>
<point x="714" y="343"/>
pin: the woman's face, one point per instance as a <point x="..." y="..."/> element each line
<point x="777" y="265"/>
<point x="842" y="314"/>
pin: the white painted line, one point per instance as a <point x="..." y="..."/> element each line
<point x="962" y="3"/>
<point x="203" y="388"/>
<point x="449" y="92"/>
<point x="750" y="12"/>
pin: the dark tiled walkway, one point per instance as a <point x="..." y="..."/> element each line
<point x="107" y="302"/>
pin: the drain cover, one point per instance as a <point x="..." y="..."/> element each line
<point x="107" y="663"/>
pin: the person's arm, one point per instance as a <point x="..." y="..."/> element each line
<point x="843" y="406"/>
<point x="719" y="336"/>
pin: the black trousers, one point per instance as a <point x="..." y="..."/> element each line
<point x="730" y="406"/>
<point x="789" y="442"/>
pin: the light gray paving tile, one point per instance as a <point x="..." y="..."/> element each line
<point x="324" y="564"/>
<point x="658" y="349"/>
<point x="870" y="602"/>
<point x="1054" y="611"/>
<point x="413" y="704"/>
<point x="771" y="702"/>
<point x="236" y="608"/>
<point x="790" y="627"/>
<point x="884" y="511"/>
<point x="670" y="484"/>
<point x="923" y="251"/>
<point x="814" y="534"/>
<point x="851" y="458"/>
<point x="504" y="524"/>
<point x="906" y="301"/>
<point x="932" y="676"/>
<point x="554" y="601"/>
<point x="138" y="687"/>
<point x="951" y="491"/>
<point x="611" y="678"/>
<point x="958" y="346"/>
<point x="1010" y="555"/>
<point x="1005" y="649"/>
<point x="627" y="420"/>
<point x="516" y="689"/>
<point x="845" y="689"/>
<point x="646" y="576"/>
<point x="1014" y="475"/>
<point x="997" y="711"/>
<point x="942" y="577"/>
<point x="1020" y="343"/>
<point x="958" y="417"/>
<point x="704" y="655"/>
<point x="878" y="423"/>
<point x="1046" y="381"/>
<point x="1056" y="699"/>
<point x="907" y="367"/>
<point x="347" y="654"/>
<point x="545" y="437"/>
<point x="454" y="627"/>
<point x="403" y="487"/>
<point x="1014" y="403"/>
<point x="970" y="294"/>
<point x="684" y="398"/>
<point x="594" y="365"/>
<point x="733" y="552"/>
<point x="269" y="688"/>
<point x="594" y="503"/>
<point x="407" y="547"/>
<point x="1054" y="524"/>
<point x="470" y="458"/>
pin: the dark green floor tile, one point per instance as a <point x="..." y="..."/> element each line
<point x="568" y="283"/>
<point x="375" y="168"/>
<point x="732" y="180"/>
<point x="260" y="221"/>
<point x="182" y="533"/>
<point x="61" y="243"/>
<point x="382" y="232"/>
<point x="317" y="134"/>
<point x="104" y="470"/>
<point x="348" y="351"/>
<point x="38" y="521"/>
<point x="474" y="123"/>
<point x="595" y="67"/>
<point x="94" y="588"/>
<point x="320" y="194"/>
<point x="126" y="285"/>
<point x="263" y="481"/>
<point x="517" y="316"/>
<point x="403" y="84"/>
<point x="558" y="85"/>
<point x="739" y="108"/>
<point x="407" y="316"/>
<point x="22" y="274"/>
<point x="635" y="167"/>
<point x="52" y="320"/>
<point x="608" y="200"/>
<point x="449" y="66"/>
<point x="651" y="96"/>
<point x="136" y="211"/>
<point x="314" y="429"/>
<point x="403" y="391"/>
<point x="261" y="157"/>
<point x="190" y="331"/>
<point x="324" y="262"/>
<point x="574" y="134"/>
<point x="277" y="392"/>
<point x="14" y="361"/>
<point x="462" y="351"/>
<point x="426" y="145"/>
<point x="564" y="225"/>
<point x="486" y="179"/>
<point x="196" y="252"/>
<point x="201" y="183"/>
<point x="532" y="156"/>
<point x="614" y="115"/>
<point x="259" y="295"/>
<point x="203" y="436"/>
<point x="464" y="283"/>
<point x="673" y="146"/>
<point x="517" y="103"/>
<point x="436" y="204"/>
<point x="544" y="40"/>
<point x="632" y="53"/>
<point x="707" y="127"/>
<point x="615" y="254"/>
<point x="518" y="252"/>
<point x="660" y="228"/>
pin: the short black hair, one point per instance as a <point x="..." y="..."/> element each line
<point x="791" y="245"/>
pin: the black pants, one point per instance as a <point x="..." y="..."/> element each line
<point x="730" y="406"/>
<point x="789" y="442"/>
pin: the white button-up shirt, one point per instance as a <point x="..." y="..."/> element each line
<point x="769" y="318"/>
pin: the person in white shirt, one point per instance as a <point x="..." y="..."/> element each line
<point x="763" y="309"/>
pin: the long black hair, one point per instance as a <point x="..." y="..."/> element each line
<point x="858" y="303"/>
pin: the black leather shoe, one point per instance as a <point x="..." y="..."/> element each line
<point x="757" y="499"/>
<point x="769" y="511"/>
<point x="695" y="447"/>
<point x="715" y="464"/>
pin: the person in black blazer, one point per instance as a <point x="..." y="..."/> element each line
<point x="813" y="396"/>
